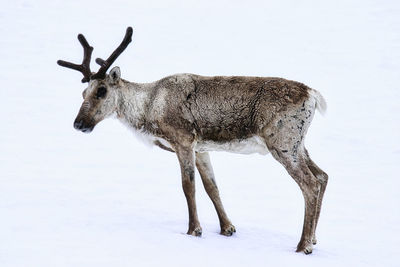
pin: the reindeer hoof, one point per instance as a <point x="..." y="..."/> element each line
<point x="305" y="247"/>
<point x="195" y="232"/>
<point x="314" y="241"/>
<point x="228" y="230"/>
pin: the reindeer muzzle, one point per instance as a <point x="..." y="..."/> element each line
<point x="80" y="125"/>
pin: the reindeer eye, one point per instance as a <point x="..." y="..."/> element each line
<point x="101" y="92"/>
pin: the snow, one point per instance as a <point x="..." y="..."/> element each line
<point x="105" y="199"/>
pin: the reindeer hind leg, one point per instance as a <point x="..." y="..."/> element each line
<point x="323" y="178"/>
<point x="296" y="165"/>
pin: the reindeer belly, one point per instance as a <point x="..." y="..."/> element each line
<point x="250" y="145"/>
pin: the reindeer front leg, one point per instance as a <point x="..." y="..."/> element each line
<point x="186" y="161"/>
<point x="203" y="164"/>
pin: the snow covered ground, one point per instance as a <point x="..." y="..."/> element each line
<point x="105" y="199"/>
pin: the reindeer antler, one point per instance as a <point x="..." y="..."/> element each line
<point x="105" y="64"/>
<point x="85" y="66"/>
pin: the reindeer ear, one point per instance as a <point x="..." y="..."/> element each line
<point x="115" y="74"/>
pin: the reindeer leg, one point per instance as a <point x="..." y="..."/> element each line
<point x="323" y="178"/>
<point x="295" y="163"/>
<point x="186" y="161"/>
<point x="204" y="167"/>
<point x="310" y="188"/>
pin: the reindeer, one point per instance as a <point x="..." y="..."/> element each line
<point x="191" y="115"/>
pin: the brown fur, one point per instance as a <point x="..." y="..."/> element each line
<point x="225" y="108"/>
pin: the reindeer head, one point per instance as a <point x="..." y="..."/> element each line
<point x="101" y="95"/>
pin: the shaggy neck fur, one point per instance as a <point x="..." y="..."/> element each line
<point x="132" y="102"/>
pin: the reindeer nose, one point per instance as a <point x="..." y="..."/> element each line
<point x="81" y="126"/>
<point x="78" y="124"/>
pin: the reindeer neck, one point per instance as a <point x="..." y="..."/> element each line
<point x="133" y="100"/>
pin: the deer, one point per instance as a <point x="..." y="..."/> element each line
<point x="191" y="115"/>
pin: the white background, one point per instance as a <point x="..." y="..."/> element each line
<point x="105" y="199"/>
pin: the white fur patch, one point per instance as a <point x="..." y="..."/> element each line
<point x="139" y="133"/>
<point x="320" y="102"/>
<point x="144" y="137"/>
<point x="247" y="146"/>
